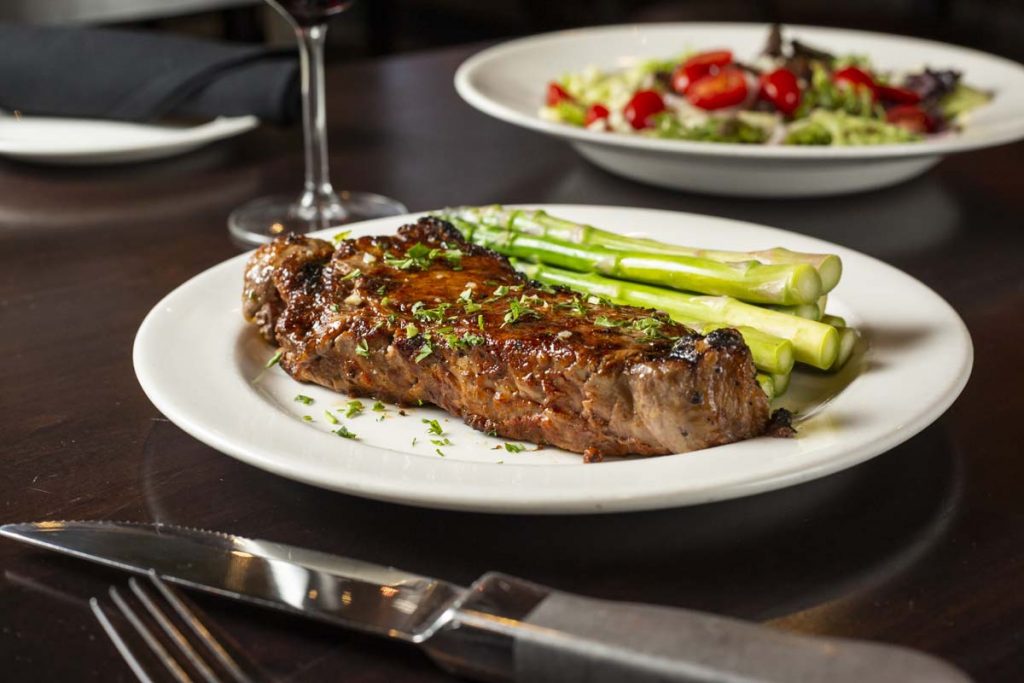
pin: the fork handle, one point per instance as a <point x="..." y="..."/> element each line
<point x="545" y="636"/>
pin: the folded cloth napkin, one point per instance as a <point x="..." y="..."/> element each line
<point x="142" y="76"/>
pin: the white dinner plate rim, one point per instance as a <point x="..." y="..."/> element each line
<point x="452" y="491"/>
<point x="162" y="138"/>
<point x="997" y="135"/>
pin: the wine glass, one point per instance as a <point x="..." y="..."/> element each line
<point x="319" y="206"/>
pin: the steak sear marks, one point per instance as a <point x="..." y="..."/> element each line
<point x="425" y="316"/>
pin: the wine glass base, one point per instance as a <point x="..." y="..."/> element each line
<point x="263" y="219"/>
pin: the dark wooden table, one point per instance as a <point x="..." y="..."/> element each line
<point x="923" y="546"/>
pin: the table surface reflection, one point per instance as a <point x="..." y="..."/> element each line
<point x="923" y="546"/>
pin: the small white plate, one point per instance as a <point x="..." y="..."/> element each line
<point x="80" y="142"/>
<point x="508" y="82"/>
<point x="203" y="367"/>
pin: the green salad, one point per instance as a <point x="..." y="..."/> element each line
<point x="791" y="94"/>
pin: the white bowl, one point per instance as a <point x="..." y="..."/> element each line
<point x="508" y="82"/>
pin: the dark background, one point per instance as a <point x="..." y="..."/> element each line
<point x="378" y="27"/>
<point x="922" y="547"/>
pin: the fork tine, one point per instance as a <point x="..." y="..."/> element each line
<point x="187" y="613"/>
<point x="165" y="658"/>
<point x="172" y="631"/>
<point x="115" y="637"/>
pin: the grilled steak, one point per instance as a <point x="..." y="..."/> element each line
<point x="425" y="316"/>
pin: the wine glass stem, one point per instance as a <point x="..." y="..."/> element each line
<point x="318" y="194"/>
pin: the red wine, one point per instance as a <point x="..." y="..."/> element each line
<point x="308" y="12"/>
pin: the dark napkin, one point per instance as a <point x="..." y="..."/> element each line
<point x="142" y="76"/>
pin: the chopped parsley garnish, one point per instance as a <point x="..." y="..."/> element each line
<point x="424" y="351"/>
<point x="575" y="306"/>
<point x="436" y="314"/>
<point x="470" y="339"/>
<point x="353" y="408"/>
<point x="381" y="290"/>
<point x="304" y="400"/>
<point x="433" y="426"/>
<point x="449" y="337"/>
<point x="343" y="235"/>
<point x="514" y="448"/>
<point x="275" y="359"/>
<point x="420" y="256"/>
<point x="605" y="321"/>
<point x="441" y="442"/>
<point x="438" y="451"/>
<point x="454" y="258"/>
<point x="352" y="274"/>
<point x="344" y="432"/>
<point x="650" y="327"/>
<point x="330" y="417"/>
<point x="545" y="287"/>
<point x="411" y="331"/>
<point x="480" y="321"/>
<point x="414" y="440"/>
<point x="518" y="310"/>
<point x="416" y="256"/>
<point x="363" y="349"/>
<point x="307" y="418"/>
<point x="466" y="297"/>
<point x="378" y="407"/>
<point x="334" y="308"/>
<point x="500" y="291"/>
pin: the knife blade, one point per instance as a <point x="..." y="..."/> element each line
<point x="500" y="629"/>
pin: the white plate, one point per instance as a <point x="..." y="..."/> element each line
<point x="202" y="366"/>
<point x="78" y="142"/>
<point x="508" y="82"/>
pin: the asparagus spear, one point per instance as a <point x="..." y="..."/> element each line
<point x="780" y="383"/>
<point x="541" y="224"/>
<point x="809" y="311"/>
<point x="771" y="354"/>
<point x="767" y="385"/>
<point x="848" y="337"/>
<point x="813" y="343"/>
<point x="834" y="321"/>
<point x="750" y="281"/>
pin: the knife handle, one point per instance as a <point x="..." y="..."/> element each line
<point x="507" y="629"/>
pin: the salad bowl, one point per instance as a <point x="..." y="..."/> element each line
<point x="508" y="82"/>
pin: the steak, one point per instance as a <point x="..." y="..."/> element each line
<point x="425" y="316"/>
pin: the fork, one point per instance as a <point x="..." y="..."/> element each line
<point x="184" y="647"/>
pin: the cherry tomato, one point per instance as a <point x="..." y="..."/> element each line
<point x="855" y="77"/>
<point x="780" y="87"/>
<point x="911" y="117"/>
<point x="888" y="93"/>
<point x="596" y="112"/>
<point x="699" y="66"/>
<point x="725" y="89"/>
<point x="556" y="94"/>
<point x="644" y="105"/>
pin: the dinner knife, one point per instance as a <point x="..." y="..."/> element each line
<point x="499" y="629"/>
